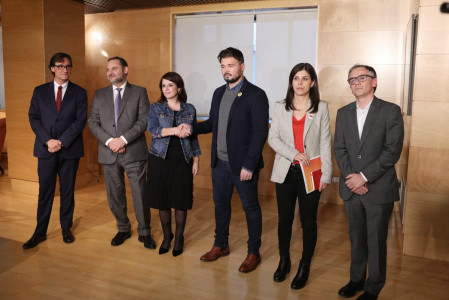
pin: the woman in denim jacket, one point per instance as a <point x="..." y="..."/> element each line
<point x="173" y="159"/>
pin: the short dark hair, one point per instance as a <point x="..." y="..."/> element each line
<point x="231" y="52"/>
<point x="370" y="70"/>
<point x="314" y="93"/>
<point x="176" y="79"/>
<point x="122" y="61"/>
<point x="58" y="57"/>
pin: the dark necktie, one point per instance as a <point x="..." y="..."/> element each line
<point x="59" y="98"/>
<point x="117" y="102"/>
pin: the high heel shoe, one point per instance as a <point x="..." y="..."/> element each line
<point x="179" y="251"/>
<point x="163" y="250"/>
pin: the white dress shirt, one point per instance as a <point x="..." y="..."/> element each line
<point x="362" y="113"/>
<point x="64" y="89"/>
<point x="114" y="94"/>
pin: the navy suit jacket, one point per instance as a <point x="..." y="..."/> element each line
<point x="247" y="127"/>
<point x="66" y="125"/>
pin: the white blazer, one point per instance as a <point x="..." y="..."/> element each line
<point x="316" y="138"/>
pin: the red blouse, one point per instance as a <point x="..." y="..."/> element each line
<point x="298" y="133"/>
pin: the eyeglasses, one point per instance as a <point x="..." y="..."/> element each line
<point x="60" y="67"/>
<point x="360" y="78"/>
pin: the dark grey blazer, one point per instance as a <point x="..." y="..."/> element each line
<point x="132" y="122"/>
<point x="375" y="153"/>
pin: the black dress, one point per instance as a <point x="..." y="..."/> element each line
<point x="170" y="180"/>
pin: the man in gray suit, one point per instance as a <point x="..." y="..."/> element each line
<point x="118" y="119"/>
<point x="369" y="134"/>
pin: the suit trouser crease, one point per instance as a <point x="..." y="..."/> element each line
<point x="48" y="169"/>
<point x="287" y="193"/>
<point x="368" y="230"/>
<point x="223" y="182"/>
<point x="115" y="189"/>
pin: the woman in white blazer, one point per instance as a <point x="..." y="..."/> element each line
<point x="299" y="131"/>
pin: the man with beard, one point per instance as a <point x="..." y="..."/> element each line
<point x="118" y="119"/>
<point x="238" y="121"/>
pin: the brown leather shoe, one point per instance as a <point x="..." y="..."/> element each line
<point x="250" y="263"/>
<point x="215" y="253"/>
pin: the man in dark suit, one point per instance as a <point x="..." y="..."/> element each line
<point x="58" y="113"/>
<point x="238" y="120"/>
<point x="118" y="119"/>
<point x="369" y="134"/>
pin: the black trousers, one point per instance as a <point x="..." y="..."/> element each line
<point x="286" y="193"/>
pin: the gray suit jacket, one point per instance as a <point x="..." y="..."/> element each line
<point x="317" y="140"/>
<point x="375" y="153"/>
<point x="132" y="122"/>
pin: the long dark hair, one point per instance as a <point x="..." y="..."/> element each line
<point x="176" y="79"/>
<point x="314" y="92"/>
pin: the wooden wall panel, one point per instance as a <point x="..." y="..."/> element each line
<point x="431" y="78"/>
<point x="394" y="15"/>
<point x="19" y="62"/>
<point x="433" y="28"/>
<point x="427" y="203"/>
<point x="433" y="208"/>
<point x="140" y="42"/>
<point x="428" y="171"/>
<point x="426" y="224"/>
<point x="430" y="3"/>
<point x="426" y="246"/>
<point x="429" y="125"/>
<point x="63" y="36"/>
<point x="341" y="48"/>
<point x="337" y="15"/>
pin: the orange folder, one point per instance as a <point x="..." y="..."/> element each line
<point x="312" y="174"/>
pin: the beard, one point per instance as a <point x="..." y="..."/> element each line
<point x="117" y="79"/>
<point x="232" y="79"/>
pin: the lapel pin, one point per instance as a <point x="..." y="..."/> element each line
<point x="239" y="94"/>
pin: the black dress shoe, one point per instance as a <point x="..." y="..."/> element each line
<point x="34" y="241"/>
<point x="147" y="241"/>
<point x="163" y="250"/>
<point x="367" y="296"/>
<point x="120" y="238"/>
<point x="178" y="251"/>
<point x="283" y="269"/>
<point x="301" y="277"/>
<point x="351" y="289"/>
<point x="67" y="236"/>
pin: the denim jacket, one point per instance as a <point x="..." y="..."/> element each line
<point x="161" y="116"/>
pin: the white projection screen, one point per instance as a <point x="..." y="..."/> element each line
<point x="271" y="41"/>
<point x="198" y="41"/>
